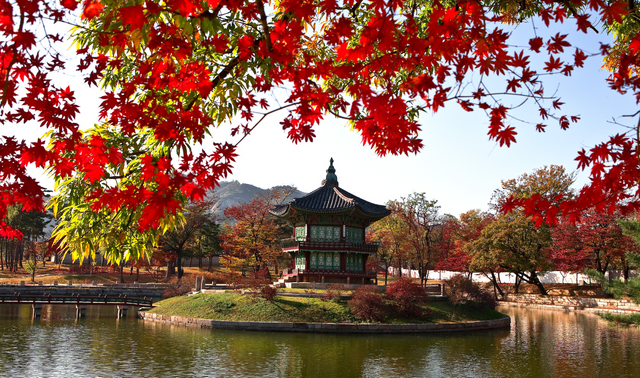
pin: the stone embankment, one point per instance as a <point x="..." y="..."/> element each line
<point x="327" y="327"/>
<point x="570" y="303"/>
<point x="130" y="290"/>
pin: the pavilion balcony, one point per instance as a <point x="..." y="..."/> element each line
<point x="289" y="245"/>
<point x="328" y="273"/>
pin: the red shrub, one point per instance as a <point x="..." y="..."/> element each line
<point x="407" y="297"/>
<point x="268" y="292"/>
<point x="368" y="304"/>
<point x="462" y="290"/>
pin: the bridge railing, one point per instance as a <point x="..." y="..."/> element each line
<point x="76" y="299"/>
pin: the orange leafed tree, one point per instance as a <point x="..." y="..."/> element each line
<point x="252" y="244"/>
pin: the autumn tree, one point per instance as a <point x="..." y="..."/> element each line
<point x="512" y="243"/>
<point x="393" y="235"/>
<point x="461" y="233"/>
<point x="423" y="224"/>
<point x="186" y="236"/>
<point x="252" y="244"/>
<point x="594" y="241"/>
<point x="173" y="70"/>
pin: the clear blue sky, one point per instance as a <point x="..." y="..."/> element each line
<point x="458" y="166"/>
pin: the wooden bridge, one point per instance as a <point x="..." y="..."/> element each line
<point x="80" y="301"/>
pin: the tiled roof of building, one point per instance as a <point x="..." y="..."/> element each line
<point x="331" y="198"/>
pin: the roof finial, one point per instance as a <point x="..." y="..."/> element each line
<point x="331" y="178"/>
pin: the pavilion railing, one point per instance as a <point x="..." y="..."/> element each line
<point x="349" y="246"/>
<point x="321" y="272"/>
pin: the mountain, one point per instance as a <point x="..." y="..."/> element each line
<point x="230" y="193"/>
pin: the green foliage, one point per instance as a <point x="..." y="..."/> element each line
<point x="31" y="266"/>
<point x="513" y="243"/>
<point x="617" y="287"/>
<point x="620" y="319"/>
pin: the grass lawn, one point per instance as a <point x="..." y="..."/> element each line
<point x="237" y="307"/>
<point x="620" y="319"/>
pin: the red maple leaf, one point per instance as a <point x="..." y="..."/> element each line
<point x="133" y="16"/>
<point x="506" y="136"/>
<point x="552" y="64"/>
<point x="91" y="9"/>
<point x="69" y="4"/>
<point x="614" y="12"/>
<point x="582" y="20"/>
<point x="535" y="44"/>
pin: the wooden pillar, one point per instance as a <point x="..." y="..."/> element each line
<point x="81" y="311"/>
<point x="36" y="311"/>
<point x="122" y="311"/>
<point x="307" y="260"/>
<point x="343" y="261"/>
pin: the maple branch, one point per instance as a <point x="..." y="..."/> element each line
<point x="209" y="14"/>
<point x="265" y="25"/>
<point x="574" y="13"/>
<point x="261" y="119"/>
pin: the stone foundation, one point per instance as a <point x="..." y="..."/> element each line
<point x="570" y="303"/>
<point x="327" y="327"/>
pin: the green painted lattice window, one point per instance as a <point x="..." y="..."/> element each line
<point x="325" y="233"/>
<point x="354" y="235"/>
<point x="354" y="262"/>
<point x="325" y="261"/>
<point x="301" y="261"/>
<point x="301" y="233"/>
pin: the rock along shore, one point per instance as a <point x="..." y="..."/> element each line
<point x="326" y="327"/>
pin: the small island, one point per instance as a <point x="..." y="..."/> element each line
<point x="403" y="308"/>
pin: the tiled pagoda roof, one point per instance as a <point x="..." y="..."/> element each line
<point x="330" y="198"/>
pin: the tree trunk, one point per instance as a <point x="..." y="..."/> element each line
<point x="386" y="273"/>
<point x="121" y="274"/>
<point x="180" y="270"/>
<point x="536" y="281"/>
<point x="496" y="285"/>
<point x="170" y="270"/>
<point x="137" y="274"/>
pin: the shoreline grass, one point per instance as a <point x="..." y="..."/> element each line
<point x="239" y="307"/>
<point x="624" y="320"/>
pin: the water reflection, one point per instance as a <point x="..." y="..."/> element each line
<point x="539" y="344"/>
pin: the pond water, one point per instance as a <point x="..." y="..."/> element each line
<point x="540" y="343"/>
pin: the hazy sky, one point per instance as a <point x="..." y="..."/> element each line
<point x="458" y="166"/>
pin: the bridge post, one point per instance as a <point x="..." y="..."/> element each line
<point x="122" y="311"/>
<point x="81" y="311"/>
<point x="36" y="310"/>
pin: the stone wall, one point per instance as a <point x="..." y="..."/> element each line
<point x="326" y="327"/>
<point x="571" y="303"/>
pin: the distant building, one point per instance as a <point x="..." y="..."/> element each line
<point x="328" y="243"/>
